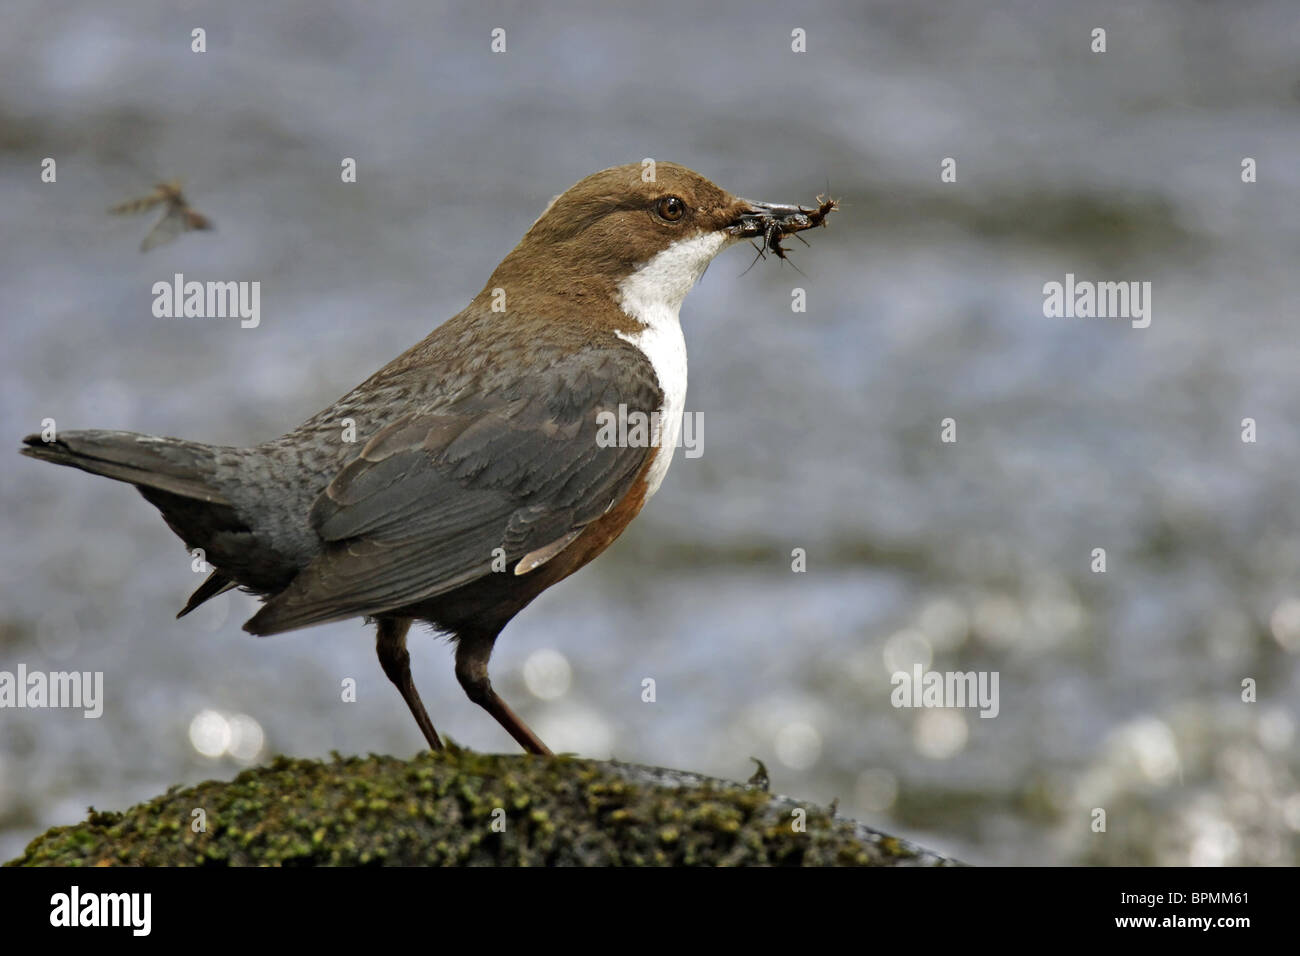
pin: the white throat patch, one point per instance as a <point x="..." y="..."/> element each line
<point x="653" y="296"/>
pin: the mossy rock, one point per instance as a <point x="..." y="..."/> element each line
<point x="460" y="808"/>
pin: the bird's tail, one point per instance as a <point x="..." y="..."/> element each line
<point x="171" y="465"/>
<point x="177" y="477"/>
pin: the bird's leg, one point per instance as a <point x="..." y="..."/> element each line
<point x="472" y="653"/>
<point x="396" y="662"/>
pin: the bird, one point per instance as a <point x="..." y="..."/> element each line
<point x="475" y="477"/>
<point x="178" y="216"/>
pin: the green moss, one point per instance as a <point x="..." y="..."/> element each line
<point x="462" y="808"/>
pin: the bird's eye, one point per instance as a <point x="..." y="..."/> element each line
<point x="670" y="209"/>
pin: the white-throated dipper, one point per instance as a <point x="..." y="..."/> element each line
<point x="476" y="479"/>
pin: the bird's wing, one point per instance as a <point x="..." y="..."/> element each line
<point x="424" y="506"/>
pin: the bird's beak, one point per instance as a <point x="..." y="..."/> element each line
<point x="764" y="219"/>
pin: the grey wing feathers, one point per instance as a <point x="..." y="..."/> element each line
<point x="421" y="509"/>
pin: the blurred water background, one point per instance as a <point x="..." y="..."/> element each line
<point x="1119" y="690"/>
